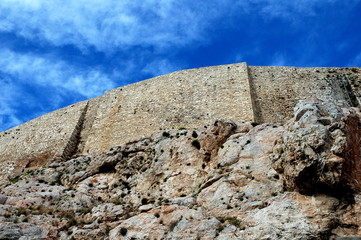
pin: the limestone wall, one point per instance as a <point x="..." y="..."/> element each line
<point x="276" y="90"/>
<point x="35" y="143"/>
<point x="186" y="98"/>
<point x="349" y="80"/>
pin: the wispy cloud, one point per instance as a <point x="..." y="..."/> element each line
<point x="108" y="25"/>
<point x="48" y="72"/>
<point x="41" y="83"/>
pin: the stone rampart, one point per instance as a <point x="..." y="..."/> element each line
<point x="35" y="143"/>
<point x="187" y="98"/>
<point x="276" y="90"/>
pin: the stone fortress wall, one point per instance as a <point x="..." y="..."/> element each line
<point x="182" y="99"/>
<point x="276" y="90"/>
<point x="34" y="143"/>
<point x="185" y="98"/>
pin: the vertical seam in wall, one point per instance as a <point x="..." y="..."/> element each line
<point x="71" y="147"/>
<point x="88" y="123"/>
<point x="107" y="133"/>
<point x="356" y="102"/>
<point x="255" y="108"/>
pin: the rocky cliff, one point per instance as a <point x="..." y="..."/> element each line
<point x="227" y="180"/>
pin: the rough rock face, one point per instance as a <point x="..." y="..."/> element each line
<point x="320" y="152"/>
<point x="225" y="181"/>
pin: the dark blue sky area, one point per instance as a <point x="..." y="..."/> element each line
<point x="55" y="53"/>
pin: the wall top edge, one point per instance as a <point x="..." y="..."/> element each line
<point x="242" y="64"/>
<point x="334" y="67"/>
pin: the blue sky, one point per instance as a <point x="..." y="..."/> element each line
<point x="57" y="52"/>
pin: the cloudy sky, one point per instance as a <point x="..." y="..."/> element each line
<point x="57" y="52"/>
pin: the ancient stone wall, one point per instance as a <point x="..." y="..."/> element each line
<point x="186" y="98"/>
<point x="35" y="143"/>
<point x="349" y="80"/>
<point x="276" y="90"/>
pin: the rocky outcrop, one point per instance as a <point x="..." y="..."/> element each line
<point x="320" y="152"/>
<point x="228" y="180"/>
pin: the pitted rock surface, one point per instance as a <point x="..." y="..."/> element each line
<point x="227" y="180"/>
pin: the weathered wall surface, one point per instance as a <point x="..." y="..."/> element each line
<point x="276" y="90"/>
<point x="34" y="143"/>
<point x="186" y="98"/>
<point x="349" y="80"/>
<point x="355" y="81"/>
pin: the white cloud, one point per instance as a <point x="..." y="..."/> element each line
<point x="108" y="25"/>
<point x="47" y="72"/>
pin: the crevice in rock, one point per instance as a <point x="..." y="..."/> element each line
<point x="108" y="168"/>
<point x="309" y="183"/>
